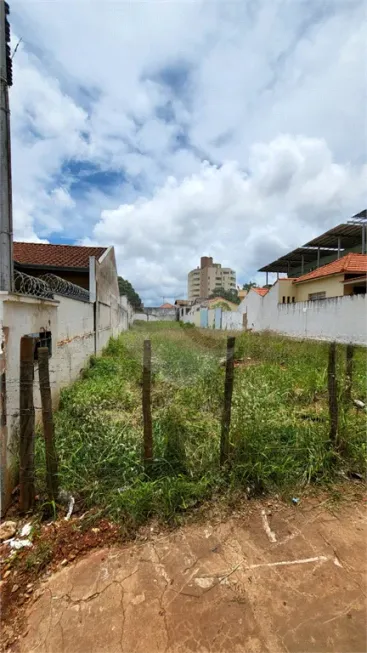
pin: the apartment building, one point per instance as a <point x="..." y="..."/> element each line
<point x="203" y="281"/>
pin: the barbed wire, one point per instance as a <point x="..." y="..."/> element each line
<point x="60" y="286"/>
<point x="25" y="284"/>
<point x="47" y="285"/>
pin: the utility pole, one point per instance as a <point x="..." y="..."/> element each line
<point x="6" y="221"/>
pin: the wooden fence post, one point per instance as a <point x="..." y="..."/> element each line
<point x="333" y="393"/>
<point x="349" y="373"/>
<point x="48" y="423"/>
<point x="147" y="415"/>
<point x="26" y="424"/>
<point x="228" y="390"/>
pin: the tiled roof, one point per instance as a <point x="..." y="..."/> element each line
<point x="58" y="256"/>
<point x="260" y="291"/>
<point x="167" y="306"/>
<point x="349" y="264"/>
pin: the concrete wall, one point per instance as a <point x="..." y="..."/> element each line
<point x="232" y="321"/>
<point x="251" y="307"/>
<point x="127" y="312"/>
<point x="143" y="317"/>
<point x="343" y="319"/>
<point x="157" y="313"/>
<point x="74" y="341"/>
<point x="79" y="329"/>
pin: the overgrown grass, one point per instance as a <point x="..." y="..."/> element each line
<point x="279" y="431"/>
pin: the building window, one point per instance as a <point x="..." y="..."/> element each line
<point x="283" y="300"/>
<point x="293" y="300"/>
<point x="288" y="300"/>
<point x="314" y="296"/>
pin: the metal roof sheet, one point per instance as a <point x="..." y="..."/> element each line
<point x="294" y="259"/>
<point x="350" y="235"/>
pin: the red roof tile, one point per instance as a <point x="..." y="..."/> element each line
<point x="349" y="264"/>
<point x="260" y="291"/>
<point x="57" y="256"/>
<point x="167" y="306"/>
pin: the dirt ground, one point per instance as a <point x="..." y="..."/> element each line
<point x="270" y="579"/>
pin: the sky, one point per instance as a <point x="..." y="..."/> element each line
<point x="173" y="130"/>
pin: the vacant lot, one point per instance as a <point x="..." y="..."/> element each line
<point x="279" y="433"/>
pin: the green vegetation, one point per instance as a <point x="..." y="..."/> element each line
<point x="229" y="295"/>
<point x="125" y="288"/>
<point x="249" y="285"/>
<point x="279" y="431"/>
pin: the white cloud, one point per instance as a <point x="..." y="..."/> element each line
<point x="292" y="191"/>
<point x="147" y="91"/>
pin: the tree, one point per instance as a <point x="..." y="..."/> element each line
<point x="125" y="288"/>
<point x="229" y="295"/>
<point x="249" y="285"/>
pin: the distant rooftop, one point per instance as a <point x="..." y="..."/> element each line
<point x="260" y="291"/>
<point x="55" y="256"/>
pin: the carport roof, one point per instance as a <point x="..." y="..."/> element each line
<point x="343" y="236"/>
<point x="294" y="259"/>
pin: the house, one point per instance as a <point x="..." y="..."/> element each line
<point x="220" y="302"/>
<point x="182" y="307"/>
<point x="328" y="303"/>
<point x="167" y="305"/>
<point x="345" y="276"/>
<point x="70" y="262"/>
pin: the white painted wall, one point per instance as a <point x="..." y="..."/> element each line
<point x="74" y="340"/>
<point x="252" y="305"/>
<point x="232" y="320"/>
<point x="143" y="317"/>
<point x="343" y="319"/>
<point x="127" y="312"/>
<point x="211" y="318"/>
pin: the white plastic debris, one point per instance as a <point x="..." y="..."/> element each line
<point x="19" y="544"/>
<point x="359" y="403"/>
<point x="71" y="507"/>
<point x="26" y="530"/>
